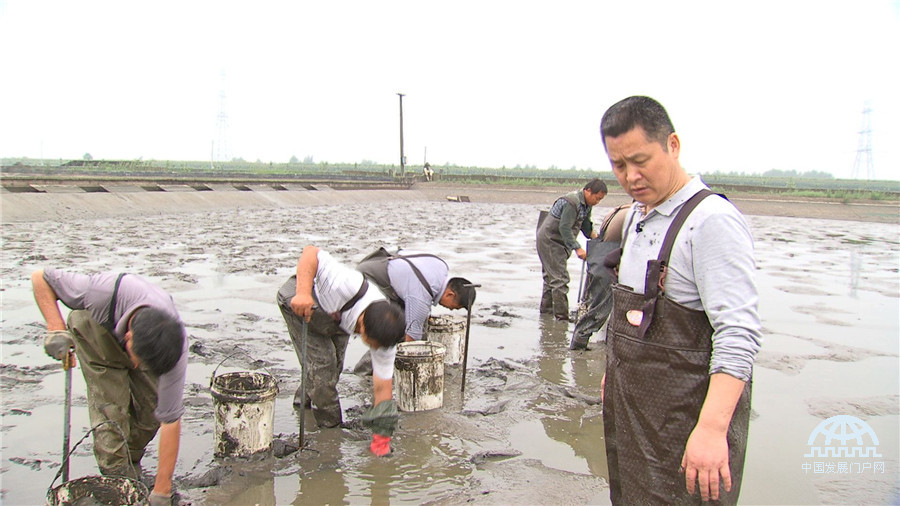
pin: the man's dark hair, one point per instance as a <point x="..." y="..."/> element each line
<point x="157" y="339"/>
<point x="596" y="186"/>
<point x="465" y="295"/>
<point x="385" y="323"/>
<point x="637" y="111"/>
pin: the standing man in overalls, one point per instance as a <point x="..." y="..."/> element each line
<point x="132" y="347"/>
<point x="557" y="238"/>
<point x="684" y="329"/>
<point x="336" y="302"/>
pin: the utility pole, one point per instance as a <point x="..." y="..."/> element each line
<point x="402" y="156"/>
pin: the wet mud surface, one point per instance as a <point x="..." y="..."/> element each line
<point x="528" y="428"/>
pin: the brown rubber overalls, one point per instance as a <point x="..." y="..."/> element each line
<point x="657" y="378"/>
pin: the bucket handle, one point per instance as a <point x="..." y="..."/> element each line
<point x="86" y="434"/>
<point x="212" y="378"/>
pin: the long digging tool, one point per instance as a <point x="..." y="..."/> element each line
<point x="301" y="356"/>
<point x="462" y="388"/>
<point x="578" y="300"/>
<point x="581" y="281"/>
<point x="67" y="364"/>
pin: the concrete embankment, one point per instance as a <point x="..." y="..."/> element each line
<point x="62" y="204"/>
<point x="18" y="207"/>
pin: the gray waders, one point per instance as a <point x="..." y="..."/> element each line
<point x="554" y="254"/>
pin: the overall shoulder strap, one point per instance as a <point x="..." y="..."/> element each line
<point x="416" y="270"/>
<point x="111" y="319"/>
<point x="678" y="222"/>
<point x="336" y="316"/>
<point x="656" y="269"/>
<point x="655" y="280"/>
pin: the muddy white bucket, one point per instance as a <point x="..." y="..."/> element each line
<point x="245" y="413"/>
<point x="419" y="376"/>
<point x="91" y="490"/>
<point x="115" y="490"/>
<point x="448" y="331"/>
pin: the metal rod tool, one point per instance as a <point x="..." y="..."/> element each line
<point x="466" y="347"/>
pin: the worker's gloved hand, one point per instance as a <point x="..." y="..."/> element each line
<point x="381" y="445"/>
<point x="157" y="499"/>
<point x="382" y="418"/>
<point x="57" y="343"/>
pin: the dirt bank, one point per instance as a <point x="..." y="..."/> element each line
<point x="749" y="203"/>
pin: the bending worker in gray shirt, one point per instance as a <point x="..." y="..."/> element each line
<point x="132" y="347"/>
<point x="416" y="281"/>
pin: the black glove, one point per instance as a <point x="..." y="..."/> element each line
<point x="382" y="418"/>
<point x="57" y="343"/>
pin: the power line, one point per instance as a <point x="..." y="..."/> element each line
<point x="864" y="161"/>
<point x="220" y="145"/>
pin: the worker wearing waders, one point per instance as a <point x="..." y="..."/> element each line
<point x="336" y="301"/>
<point x="598" y="285"/>
<point x="556" y="240"/>
<point x="684" y="328"/>
<point x="415" y="281"/>
<point x="132" y="348"/>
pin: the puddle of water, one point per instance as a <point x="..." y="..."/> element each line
<point x="530" y="437"/>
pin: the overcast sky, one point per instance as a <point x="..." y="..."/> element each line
<point x="750" y="86"/>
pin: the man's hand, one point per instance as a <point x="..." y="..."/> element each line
<point x="57" y="343"/>
<point x="581" y="253"/>
<point x="706" y="452"/>
<point x="602" y="387"/>
<point x="303" y="304"/>
<point x="157" y="499"/>
<point x="705" y="460"/>
<point x="382" y="418"/>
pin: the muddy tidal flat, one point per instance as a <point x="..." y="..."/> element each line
<point x="528" y="429"/>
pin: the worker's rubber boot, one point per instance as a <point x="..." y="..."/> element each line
<point x="579" y="342"/>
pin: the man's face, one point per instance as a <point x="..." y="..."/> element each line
<point x="129" y="348"/>
<point x="592" y="199"/>
<point x="646" y="171"/>
<point x="368" y="341"/>
<point x="449" y="300"/>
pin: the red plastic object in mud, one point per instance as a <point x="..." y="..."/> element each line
<point x="381" y="445"/>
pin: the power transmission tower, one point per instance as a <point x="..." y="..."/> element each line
<point x="220" y="145"/>
<point x="864" y="162"/>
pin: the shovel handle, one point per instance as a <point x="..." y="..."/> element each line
<point x="301" y="356"/>
<point x="67" y="363"/>
<point x="303" y="337"/>
<point x="462" y="387"/>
